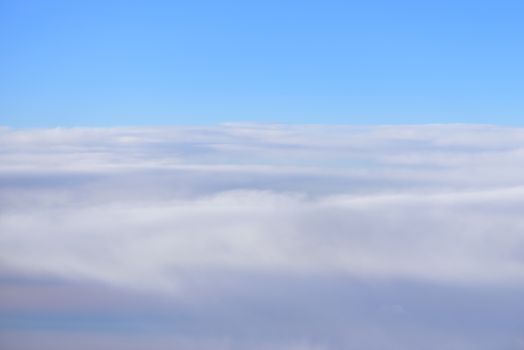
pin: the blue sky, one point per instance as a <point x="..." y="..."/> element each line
<point x="107" y="63"/>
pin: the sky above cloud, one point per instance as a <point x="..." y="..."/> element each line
<point x="163" y="62"/>
<point x="262" y="236"/>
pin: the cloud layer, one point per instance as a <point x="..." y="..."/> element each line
<point x="238" y="217"/>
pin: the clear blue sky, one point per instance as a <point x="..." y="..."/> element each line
<point x="195" y="62"/>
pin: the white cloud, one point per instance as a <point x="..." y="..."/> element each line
<point x="455" y="237"/>
<point x="162" y="209"/>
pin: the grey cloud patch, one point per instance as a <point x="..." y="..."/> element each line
<point x="290" y="237"/>
<point x="266" y="311"/>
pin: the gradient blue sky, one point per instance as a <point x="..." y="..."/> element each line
<point x="112" y="62"/>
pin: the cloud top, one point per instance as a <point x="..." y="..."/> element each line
<point x="185" y="211"/>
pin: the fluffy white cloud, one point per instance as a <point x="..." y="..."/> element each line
<point x="455" y="237"/>
<point x="167" y="210"/>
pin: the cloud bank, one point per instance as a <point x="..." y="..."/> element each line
<point x="334" y="237"/>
